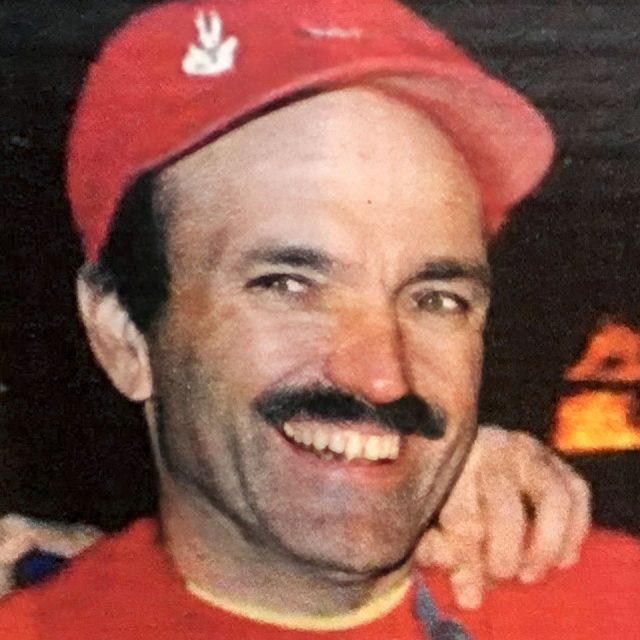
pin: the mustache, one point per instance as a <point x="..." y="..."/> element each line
<point x="407" y="415"/>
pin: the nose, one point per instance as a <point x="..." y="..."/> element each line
<point x="367" y="357"/>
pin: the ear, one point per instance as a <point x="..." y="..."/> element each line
<point x="115" y="341"/>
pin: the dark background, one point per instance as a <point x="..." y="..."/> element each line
<point x="70" y="448"/>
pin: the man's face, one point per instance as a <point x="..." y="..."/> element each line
<point x="334" y="245"/>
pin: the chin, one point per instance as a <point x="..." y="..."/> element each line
<point x="360" y="563"/>
<point x="353" y="553"/>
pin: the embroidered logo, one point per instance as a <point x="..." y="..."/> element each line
<point x="333" y="32"/>
<point x="213" y="54"/>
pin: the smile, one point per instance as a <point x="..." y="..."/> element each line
<point x="340" y="443"/>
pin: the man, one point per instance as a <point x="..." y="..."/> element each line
<point x="284" y="209"/>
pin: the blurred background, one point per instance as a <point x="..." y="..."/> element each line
<point x="563" y="340"/>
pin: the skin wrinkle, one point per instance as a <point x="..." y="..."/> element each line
<point x="282" y="529"/>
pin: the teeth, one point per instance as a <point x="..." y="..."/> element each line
<point x="307" y="437"/>
<point x="331" y="443"/>
<point x="320" y="440"/>
<point x="394" y="448"/>
<point x="385" y="447"/>
<point x="372" y="448"/>
<point x="337" y="442"/>
<point x="353" y="448"/>
<point x="390" y="447"/>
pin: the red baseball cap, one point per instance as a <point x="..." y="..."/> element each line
<point x="178" y="75"/>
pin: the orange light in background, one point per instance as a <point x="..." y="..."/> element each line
<point x="613" y="355"/>
<point x="603" y="415"/>
<point x="595" y="421"/>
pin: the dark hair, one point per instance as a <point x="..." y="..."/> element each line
<point x="133" y="262"/>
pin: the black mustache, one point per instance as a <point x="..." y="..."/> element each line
<point x="407" y="415"/>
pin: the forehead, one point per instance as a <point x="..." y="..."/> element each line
<point x="344" y="160"/>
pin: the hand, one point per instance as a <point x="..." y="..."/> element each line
<point x="19" y="535"/>
<point x="486" y="531"/>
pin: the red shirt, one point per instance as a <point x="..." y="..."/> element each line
<point x="126" y="588"/>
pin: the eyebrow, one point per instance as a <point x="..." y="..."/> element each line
<point x="448" y="269"/>
<point x="292" y="256"/>
<point x="302" y="256"/>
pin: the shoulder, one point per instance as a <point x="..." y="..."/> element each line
<point x="596" y="598"/>
<point x="606" y="576"/>
<point x="602" y="543"/>
<point x="607" y="572"/>
<point x="117" y="568"/>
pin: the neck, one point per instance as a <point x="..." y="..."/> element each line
<point x="223" y="564"/>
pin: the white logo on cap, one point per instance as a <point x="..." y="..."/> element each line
<point x="333" y="32"/>
<point x="212" y="55"/>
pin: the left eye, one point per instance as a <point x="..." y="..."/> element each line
<point x="442" y="302"/>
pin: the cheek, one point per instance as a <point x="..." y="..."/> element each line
<point x="446" y="367"/>
<point x="275" y="348"/>
<point x="253" y="347"/>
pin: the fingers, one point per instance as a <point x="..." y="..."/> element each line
<point x="554" y="531"/>
<point x="551" y="502"/>
<point x="468" y="584"/>
<point x="505" y="518"/>
<point x="65" y="540"/>
<point x="500" y="507"/>
<point x="20" y="535"/>
<point x="579" y="516"/>
<point x="485" y="531"/>
<point x="15" y="538"/>
<point x="435" y="549"/>
<point x="458" y="543"/>
<point x="461" y="559"/>
<point x="6" y="579"/>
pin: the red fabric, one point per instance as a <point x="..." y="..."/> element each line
<point x="125" y="588"/>
<point x="138" y="109"/>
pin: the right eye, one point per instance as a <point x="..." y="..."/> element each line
<point x="285" y="284"/>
